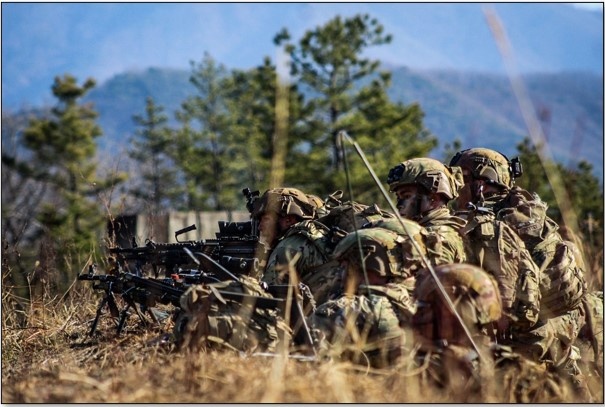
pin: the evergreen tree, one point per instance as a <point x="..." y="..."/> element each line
<point x="202" y="142"/>
<point x="62" y="149"/>
<point x="225" y="142"/>
<point x="348" y="92"/>
<point x="252" y="102"/>
<point x="157" y="188"/>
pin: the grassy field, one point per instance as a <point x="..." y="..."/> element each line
<point x="47" y="357"/>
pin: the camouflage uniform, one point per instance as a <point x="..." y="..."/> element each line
<point x="561" y="281"/>
<point x="476" y="299"/>
<point x="497" y="249"/>
<point x="302" y="248"/>
<point x="370" y="322"/>
<point x="432" y="177"/>
<point x="591" y="334"/>
<point x="444" y="229"/>
<point x="210" y="320"/>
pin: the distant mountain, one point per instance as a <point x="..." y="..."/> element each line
<point x="476" y="108"/>
<point x="124" y="95"/>
<point x="481" y="109"/>
<point x="101" y="40"/>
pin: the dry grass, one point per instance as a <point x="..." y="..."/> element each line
<point x="48" y="358"/>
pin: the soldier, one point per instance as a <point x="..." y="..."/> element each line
<point x="424" y="187"/>
<point x="438" y="331"/>
<point x="251" y="321"/>
<point x="489" y="178"/>
<point x="370" y="321"/>
<point x="454" y="361"/>
<point x="298" y="244"/>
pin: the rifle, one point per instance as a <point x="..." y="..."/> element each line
<point x="235" y="248"/>
<point x="143" y="293"/>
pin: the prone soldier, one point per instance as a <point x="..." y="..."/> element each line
<point x="298" y="245"/>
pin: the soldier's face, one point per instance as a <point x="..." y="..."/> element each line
<point x="407" y="201"/>
<point x="285" y="222"/>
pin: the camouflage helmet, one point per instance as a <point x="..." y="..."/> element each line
<point x="284" y="201"/>
<point x="320" y="205"/>
<point x="384" y="251"/>
<point x="402" y="228"/>
<point x="473" y="290"/>
<point x="490" y="165"/>
<point x="428" y="173"/>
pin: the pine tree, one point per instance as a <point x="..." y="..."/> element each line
<point x="252" y="102"/>
<point x="62" y="149"/>
<point x="348" y="92"/>
<point x="151" y="150"/>
<point x="201" y="142"/>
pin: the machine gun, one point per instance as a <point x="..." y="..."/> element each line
<point x="235" y="251"/>
<point x="143" y="293"/>
<point x="235" y="248"/>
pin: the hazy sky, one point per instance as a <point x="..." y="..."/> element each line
<point x="99" y="40"/>
<point x="588" y="6"/>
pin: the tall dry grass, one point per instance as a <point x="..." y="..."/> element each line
<point x="48" y="358"/>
